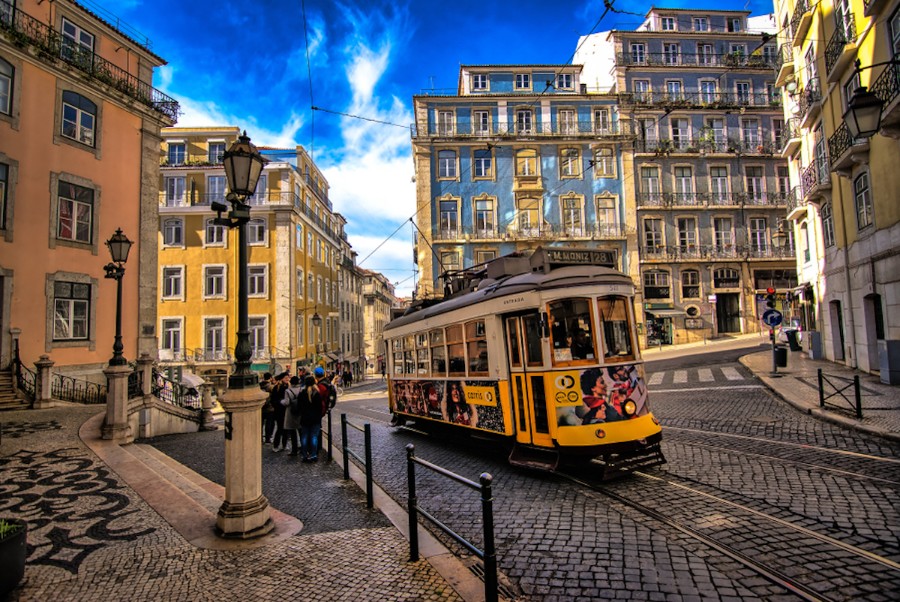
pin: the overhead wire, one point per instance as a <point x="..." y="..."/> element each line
<point x="312" y="128"/>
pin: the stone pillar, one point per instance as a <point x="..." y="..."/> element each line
<point x="245" y="512"/>
<point x="43" y="388"/>
<point x="206" y="416"/>
<point x="145" y="367"/>
<point x="115" y="425"/>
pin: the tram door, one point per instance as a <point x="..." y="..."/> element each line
<point x="526" y="363"/>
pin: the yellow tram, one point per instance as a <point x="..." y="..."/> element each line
<point x="540" y="351"/>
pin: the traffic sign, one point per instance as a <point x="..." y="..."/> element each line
<point x="772" y="318"/>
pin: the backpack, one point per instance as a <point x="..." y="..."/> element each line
<point x="294" y="403"/>
<point x="329" y="395"/>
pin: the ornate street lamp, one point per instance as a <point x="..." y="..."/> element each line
<point x="243" y="165"/>
<point x="119" y="246"/>
<point x="779" y="238"/>
<point x="863" y="114"/>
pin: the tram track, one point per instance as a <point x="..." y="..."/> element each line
<point x="788" y="555"/>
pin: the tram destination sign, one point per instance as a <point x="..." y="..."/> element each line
<point x="582" y="257"/>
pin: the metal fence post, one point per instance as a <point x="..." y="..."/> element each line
<point x="344" y="446"/>
<point x="370" y="495"/>
<point x="330" y="437"/>
<point x="821" y="389"/>
<point x="857" y="394"/>
<point x="412" y="503"/>
<point x="490" y="552"/>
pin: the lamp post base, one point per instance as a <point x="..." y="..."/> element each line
<point x="244" y="521"/>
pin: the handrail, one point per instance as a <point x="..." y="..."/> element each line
<point x="489" y="555"/>
<point x="855" y="404"/>
<point x="26" y="378"/>
<point x="67" y="388"/>
<point x="166" y="389"/>
<point x="366" y="461"/>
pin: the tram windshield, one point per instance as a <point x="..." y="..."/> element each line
<point x="615" y="329"/>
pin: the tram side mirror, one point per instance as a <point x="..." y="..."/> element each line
<point x="545" y="326"/>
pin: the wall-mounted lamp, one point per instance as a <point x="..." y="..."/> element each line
<point x="863" y="114"/>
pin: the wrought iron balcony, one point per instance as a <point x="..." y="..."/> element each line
<point x="845" y="150"/>
<point x="680" y="200"/>
<point x="700" y="99"/>
<point x="840" y="39"/>
<point x="814" y="178"/>
<point x="801" y="17"/>
<point x="694" y="252"/>
<point x="705" y="144"/>
<point x="810" y="101"/>
<point x="23" y="30"/>
<point x="887" y="88"/>
<point x="789" y="139"/>
<point x="584" y="128"/>
<point x="695" y="59"/>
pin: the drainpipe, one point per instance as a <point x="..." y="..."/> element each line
<point x="851" y="324"/>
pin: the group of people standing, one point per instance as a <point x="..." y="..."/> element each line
<point x="295" y="403"/>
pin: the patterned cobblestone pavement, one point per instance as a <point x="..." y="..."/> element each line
<point x="92" y="538"/>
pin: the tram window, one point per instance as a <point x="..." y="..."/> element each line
<point x="476" y="345"/>
<point x="422" y="363"/>
<point x="614" y="325"/>
<point x="409" y="350"/>
<point x="456" y="353"/>
<point x="398" y="362"/>
<point x="534" y="354"/>
<point x="512" y="329"/>
<point x="570" y="330"/>
<point x="438" y="353"/>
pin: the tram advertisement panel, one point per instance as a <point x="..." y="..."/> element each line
<point x="468" y="403"/>
<point x="597" y="395"/>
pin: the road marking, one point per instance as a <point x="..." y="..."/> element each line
<point x="731" y="373"/>
<point x="705" y="375"/>
<point x="679" y="377"/>
<point x="689" y="389"/>
<point x="657" y="378"/>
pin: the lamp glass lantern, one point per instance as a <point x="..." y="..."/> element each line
<point x="243" y="165"/>
<point x="119" y="246"/>
<point x="316" y="319"/>
<point x="863" y="115"/>
<point x="779" y="238"/>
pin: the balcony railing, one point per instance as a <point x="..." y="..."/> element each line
<point x="800" y="9"/>
<point x="695" y="59"/>
<point x="843" y="35"/>
<point x="785" y="56"/>
<point x="789" y="131"/>
<point x="711" y="199"/>
<point x="700" y="99"/>
<point x="565" y="128"/>
<point x="24" y="30"/>
<point x="546" y="230"/>
<point x="814" y="176"/>
<point x="841" y="141"/>
<point x="887" y="85"/>
<point x="809" y="97"/>
<point x="712" y="252"/>
<point x="760" y="146"/>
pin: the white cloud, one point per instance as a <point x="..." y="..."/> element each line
<point x="393" y="259"/>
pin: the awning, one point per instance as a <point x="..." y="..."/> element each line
<point x="331" y="356"/>
<point x="352" y="360"/>
<point x="665" y="313"/>
<point x="191" y="380"/>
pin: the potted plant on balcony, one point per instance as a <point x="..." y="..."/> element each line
<point x="12" y="553"/>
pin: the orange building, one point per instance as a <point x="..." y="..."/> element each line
<point x="79" y="157"/>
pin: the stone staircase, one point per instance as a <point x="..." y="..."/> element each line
<point x="9" y="400"/>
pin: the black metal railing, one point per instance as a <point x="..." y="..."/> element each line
<point x="554" y="128"/>
<point x="136" y="383"/>
<point x="887" y="85"/>
<point x="26" y="378"/>
<point x="169" y="391"/>
<point x="764" y="145"/>
<point x="489" y="555"/>
<point x="25" y="30"/>
<point x="785" y="55"/>
<point x="714" y="199"/>
<point x="789" y="131"/>
<point x="809" y="97"/>
<point x="814" y="175"/>
<point x="841" y="141"/>
<point x="843" y="35"/>
<point x="365" y="459"/>
<point x="838" y="385"/>
<point x="700" y="99"/>
<point x="67" y="388"/>
<point x="795" y="200"/>
<point x="696" y="252"/>
<point x="732" y="60"/>
<point x="800" y="9"/>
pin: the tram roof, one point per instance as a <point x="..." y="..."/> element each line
<point x="562" y="277"/>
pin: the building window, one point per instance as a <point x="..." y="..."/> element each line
<point x="753" y="184"/>
<point x="701" y="24"/>
<point x="171" y="335"/>
<point x="77" y="44"/>
<point x="79" y="116"/>
<point x="681" y="133"/>
<point x="175" y="191"/>
<point x="650" y="183"/>
<point x="76" y="207"/>
<point x="734" y="24"/>
<point x="572" y="216"/>
<point x="259" y="195"/>
<point x="259" y="339"/>
<point x="687" y="234"/>
<point x="523" y="81"/>
<point x="638" y="53"/>
<point x="863" y="201"/>
<point x="479" y="81"/>
<point x="173" y="283"/>
<point x="256" y="280"/>
<point x="446" y="164"/>
<point x="4" y="184"/>
<point x="526" y="162"/>
<point x="706" y="54"/>
<point x="570" y="163"/>
<point x="445" y="123"/>
<point x="668" y="23"/>
<point x="215" y="234"/>
<point x="750" y="134"/>
<point x="481" y="121"/>
<point x="450" y="260"/>
<point x="653" y="235"/>
<point x="723" y="237"/>
<point x="177" y="153"/>
<point x="604" y="163"/>
<point x="214" y="338"/>
<point x="684" y="185"/>
<point x="670" y="54"/>
<point x="298" y="237"/>
<point x="756" y="230"/>
<point x="656" y="284"/>
<point x="71" y="311"/>
<point x="483" y="162"/>
<point x="214" y="281"/>
<point x="601" y="121"/>
<point x="567" y="121"/>
<point x="484" y="217"/>
<point x="482" y="257"/>
<point x="690" y="284"/>
<point x="7" y="74"/>
<point x="726" y="278"/>
<point x="173" y="232"/>
<point x="607" y="218"/>
<point x="449" y="219"/>
<point x="215" y="189"/>
<point x="301" y="281"/>
<point x="529" y="216"/>
<point x="674" y="90"/>
<point x="256" y="231"/>
<point x="718" y="183"/>
<point x="564" y="81"/>
<point x="216" y="152"/>
<point x="523" y="121"/>
<point x="300" y="323"/>
<point x="894" y="24"/>
<point x="827" y="225"/>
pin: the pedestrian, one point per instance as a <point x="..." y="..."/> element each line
<point x="327" y="394"/>
<point x="383" y="374"/>
<point x="268" y="411"/>
<point x="275" y="398"/>
<point x="310" y="419"/>
<point x="291" y="402"/>
<point x="348" y="378"/>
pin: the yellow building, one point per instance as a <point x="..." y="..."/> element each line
<point x="846" y="218"/>
<point x="79" y="139"/>
<point x="379" y="298"/>
<point x="295" y="241"/>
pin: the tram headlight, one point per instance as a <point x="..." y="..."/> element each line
<point x="629" y="407"/>
<point x="600" y="433"/>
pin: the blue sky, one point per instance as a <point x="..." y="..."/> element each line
<point x="244" y="63"/>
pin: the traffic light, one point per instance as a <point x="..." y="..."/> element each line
<point x="770" y="298"/>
